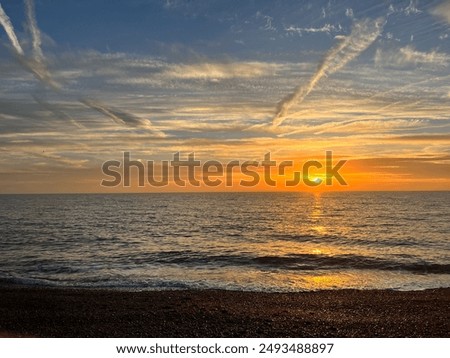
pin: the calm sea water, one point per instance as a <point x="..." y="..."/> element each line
<point x="247" y="241"/>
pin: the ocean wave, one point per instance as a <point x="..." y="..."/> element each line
<point x="288" y="262"/>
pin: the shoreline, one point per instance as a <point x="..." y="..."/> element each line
<point x="74" y="312"/>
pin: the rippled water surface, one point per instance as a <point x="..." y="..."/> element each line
<point x="250" y="241"/>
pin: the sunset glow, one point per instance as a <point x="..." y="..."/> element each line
<point x="226" y="81"/>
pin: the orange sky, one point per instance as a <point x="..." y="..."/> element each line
<point x="360" y="175"/>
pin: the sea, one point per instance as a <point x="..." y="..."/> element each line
<point x="280" y="242"/>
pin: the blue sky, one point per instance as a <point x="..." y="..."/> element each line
<point x="369" y="80"/>
<point x="244" y="29"/>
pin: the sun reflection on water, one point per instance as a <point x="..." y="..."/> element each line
<point x="316" y="216"/>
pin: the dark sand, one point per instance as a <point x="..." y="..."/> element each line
<point x="48" y="312"/>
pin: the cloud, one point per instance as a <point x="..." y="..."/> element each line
<point x="132" y="69"/>
<point x="409" y="55"/>
<point x="442" y="11"/>
<point x="209" y="70"/>
<point x="268" y="21"/>
<point x="423" y="137"/>
<point x="411" y="8"/>
<point x="363" y="34"/>
<point x="327" y="28"/>
<point x="348" y="128"/>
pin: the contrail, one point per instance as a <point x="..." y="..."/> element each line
<point x="36" y="64"/>
<point x="120" y="117"/>
<point x="363" y="34"/>
<point x="9" y="29"/>
<point x="57" y="112"/>
<point x="117" y="116"/>
<point x="34" y="30"/>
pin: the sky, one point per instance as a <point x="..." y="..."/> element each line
<point x="83" y="81"/>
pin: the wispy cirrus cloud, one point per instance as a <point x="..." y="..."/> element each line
<point x="442" y="11"/>
<point x="327" y="28"/>
<point x="346" y="127"/>
<point x="409" y="55"/>
<point x="422" y="137"/>
<point x="267" y="21"/>
<point x="211" y="70"/>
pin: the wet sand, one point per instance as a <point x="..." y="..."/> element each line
<point x="51" y="312"/>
